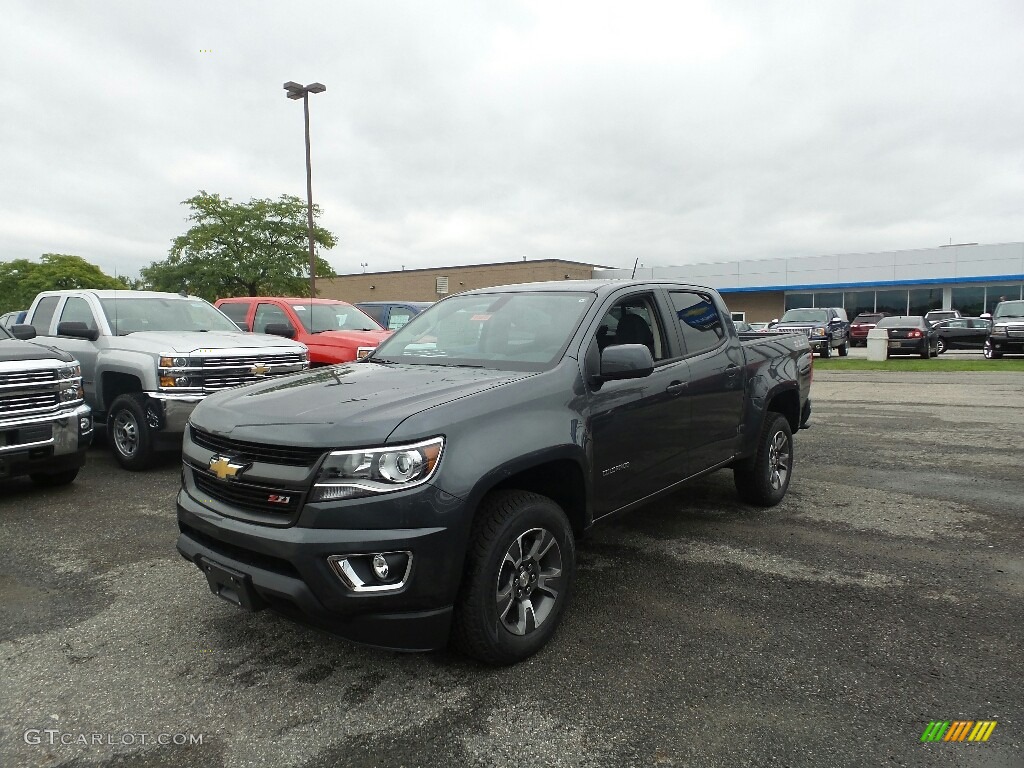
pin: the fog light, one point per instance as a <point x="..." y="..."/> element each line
<point x="380" y="572"/>
<point x="380" y="567"/>
<point x="84" y="424"/>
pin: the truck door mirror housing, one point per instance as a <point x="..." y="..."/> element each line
<point x="280" y="329"/>
<point x="23" y="332"/>
<point x="77" y="330"/>
<point x="626" y="361"/>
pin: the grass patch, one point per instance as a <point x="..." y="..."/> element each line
<point x="916" y="364"/>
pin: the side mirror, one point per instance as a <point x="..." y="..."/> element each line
<point x="986" y="315"/>
<point x="280" y="329"/>
<point x="837" y="321"/>
<point x="23" y="332"/>
<point x="77" y="330"/>
<point x="626" y="361"/>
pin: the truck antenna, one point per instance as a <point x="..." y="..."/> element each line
<point x="634" y="268"/>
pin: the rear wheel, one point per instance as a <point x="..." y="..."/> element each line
<point x="926" y="353"/>
<point x="990" y="351"/>
<point x="940" y="347"/>
<point x="519" y="574"/>
<point x="844" y="349"/>
<point x="764" y="478"/>
<point x="128" y="432"/>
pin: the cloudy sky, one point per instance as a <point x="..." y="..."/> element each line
<point x="462" y="132"/>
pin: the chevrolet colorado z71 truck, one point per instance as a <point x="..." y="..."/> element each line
<point x="45" y="425"/>
<point x="148" y="358"/>
<point x="436" y="488"/>
<point x="333" y="331"/>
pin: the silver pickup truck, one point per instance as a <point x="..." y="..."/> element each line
<point x="148" y="358"/>
<point x="45" y="425"/>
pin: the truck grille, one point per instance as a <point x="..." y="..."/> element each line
<point x="23" y="404"/>
<point x="247" y="496"/>
<point x="289" y="358"/>
<point x="1016" y="331"/>
<point x="21" y="378"/>
<point x="805" y="331"/>
<point x="271" y="454"/>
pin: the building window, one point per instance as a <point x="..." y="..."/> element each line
<point x="969" y="300"/>
<point x="923" y="300"/>
<point x="893" y="302"/>
<point x="828" y="299"/>
<point x="857" y="302"/>
<point x="442" y="285"/>
<point x="799" y="300"/>
<point x="996" y="293"/>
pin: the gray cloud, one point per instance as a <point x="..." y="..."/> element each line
<point x="456" y="132"/>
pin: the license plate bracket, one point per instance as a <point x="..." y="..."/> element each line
<point x="231" y="585"/>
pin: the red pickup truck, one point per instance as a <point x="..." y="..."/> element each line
<point x="334" y="331"/>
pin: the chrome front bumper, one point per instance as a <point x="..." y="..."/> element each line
<point x="71" y="431"/>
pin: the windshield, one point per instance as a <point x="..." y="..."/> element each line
<point x="1009" y="309"/>
<point x="503" y="331"/>
<point x="805" y="316"/>
<point x="133" y="314"/>
<point x="334" y="317"/>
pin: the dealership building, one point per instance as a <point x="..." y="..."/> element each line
<point x="969" y="277"/>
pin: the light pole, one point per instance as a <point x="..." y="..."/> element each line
<point x="296" y="91"/>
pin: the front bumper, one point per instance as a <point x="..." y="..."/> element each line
<point x="44" y="444"/>
<point x="287" y="568"/>
<point x="1008" y="345"/>
<point x="173" y="413"/>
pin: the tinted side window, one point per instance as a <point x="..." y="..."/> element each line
<point x="236" y="310"/>
<point x="44" y="314"/>
<point x="399" y="316"/>
<point x="699" y="321"/>
<point x="268" y="314"/>
<point x="77" y="311"/>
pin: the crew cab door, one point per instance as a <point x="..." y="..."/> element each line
<point x="76" y="309"/>
<point x="639" y="427"/>
<point x="716" y="390"/>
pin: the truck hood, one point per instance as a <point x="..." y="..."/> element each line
<point x="341" y="406"/>
<point x="349" y="338"/>
<point x="16" y="351"/>
<point x="196" y="342"/>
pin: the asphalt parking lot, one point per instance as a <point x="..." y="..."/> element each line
<point x="884" y="592"/>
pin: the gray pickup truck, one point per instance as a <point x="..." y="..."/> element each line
<point x="148" y="358"/>
<point x="436" y="489"/>
<point x="45" y="425"/>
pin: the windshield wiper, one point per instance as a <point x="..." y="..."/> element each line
<point x="379" y="360"/>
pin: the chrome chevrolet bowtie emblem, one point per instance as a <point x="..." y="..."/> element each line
<point x="224" y="467"/>
<point x="260" y="370"/>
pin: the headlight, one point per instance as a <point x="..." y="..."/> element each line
<point x="174" y="362"/>
<point x="818" y="332"/>
<point x="69" y="372"/>
<point x="70" y="380"/>
<point x="369" y="471"/>
<point x="999" y="330"/>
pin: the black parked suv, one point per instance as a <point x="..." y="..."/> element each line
<point x="826" y="328"/>
<point x="1007" y="334"/>
<point x="436" y="488"/>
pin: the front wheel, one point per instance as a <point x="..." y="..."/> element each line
<point x="519" y="574"/>
<point x="826" y="351"/>
<point x="940" y="347"/>
<point x="129" y="434"/>
<point x="764" y="478"/>
<point x="990" y="351"/>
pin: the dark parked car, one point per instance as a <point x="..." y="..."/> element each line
<point x="910" y="335"/>
<point x="392" y="315"/>
<point x="1007" y="336"/>
<point x="11" y="319"/>
<point x="962" y="333"/>
<point x="860" y="326"/>
<point x="938" y="315"/>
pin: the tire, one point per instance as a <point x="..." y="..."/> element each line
<point x="54" y="479"/>
<point x="827" y="351"/>
<point x="990" y="351"/>
<point x="926" y="353"/>
<point x="844" y="349"/>
<point x="764" y="479"/>
<point x="128" y="433"/>
<point x="492" y="621"/>
<point x="940" y="347"/>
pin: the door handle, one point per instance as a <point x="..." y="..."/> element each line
<point x="676" y="387"/>
<point x="732" y="370"/>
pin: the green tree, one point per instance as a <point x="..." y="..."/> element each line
<point x="21" y="279"/>
<point x="259" y="248"/>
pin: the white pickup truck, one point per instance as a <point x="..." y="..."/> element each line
<point x="148" y="358"/>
